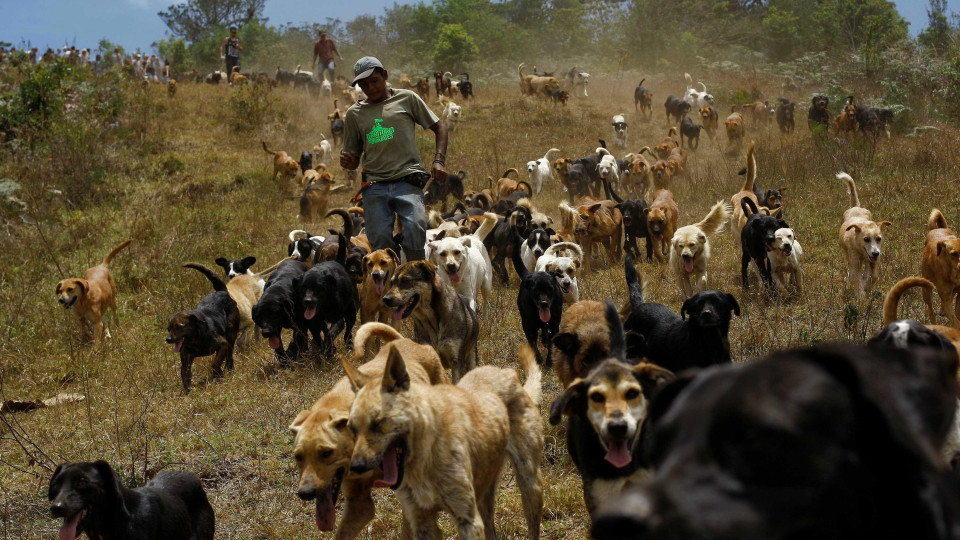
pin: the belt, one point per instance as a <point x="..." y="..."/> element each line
<point x="417" y="179"/>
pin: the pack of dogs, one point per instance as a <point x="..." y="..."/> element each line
<point x="669" y="438"/>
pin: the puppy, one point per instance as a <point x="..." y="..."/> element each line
<point x="451" y="113"/>
<point x="91" y="296"/>
<point x="441" y="317"/>
<point x="464" y="262"/>
<point x="599" y="222"/>
<point x="691" y="131"/>
<point x="785" y="116"/>
<point x="313" y="202"/>
<point x="690" y="249"/>
<point x="211" y="328"/>
<point x="378" y="267"/>
<point x="563" y="260"/>
<point x="283" y="164"/>
<point x="818" y="116"/>
<point x="861" y="240"/>
<point x="676" y="108"/>
<point x="643" y="99"/>
<point x="785" y="261"/>
<point x="91" y="499"/>
<point x="323" y="445"/>
<point x="540" y="303"/>
<point x="735" y="131"/>
<point x="661" y="217"/>
<point x="620" y="131"/>
<point x="709" y="120"/>
<point x="756" y="240"/>
<point x="540" y="171"/>
<point x="941" y="265"/>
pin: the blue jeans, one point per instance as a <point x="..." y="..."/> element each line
<point x="384" y="199"/>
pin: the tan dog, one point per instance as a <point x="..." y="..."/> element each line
<point x="507" y="185"/>
<point x="91" y="296"/>
<point x="443" y="447"/>
<point x="283" y="164"/>
<point x="735" y="130"/>
<point x="738" y="219"/>
<point x="534" y="85"/>
<point x="246" y="290"/>
<point x="404" y="81"/>
<point x="640" y="171"/>
<point x="892" y="302"/>
<point x="599" y="222"/>
<point x="172" y="88"/>
<point x="662" y="216"/>
<point x="562" y="166"/>
<point x="690" y="249"/>
<point x="860" y="238"/>
<point x="846" y="122"/>
<point x="313" y="202"/>
<point x="582" y="341"/>
<point x="941" y="265"/>
<point x="323" y="445"/>
<point x="236" y="78"/>
<point x="667" y="145"/>
<point x="378" y="267"/>
<point x="676" y="161"/>
<point x="710" y="121"/>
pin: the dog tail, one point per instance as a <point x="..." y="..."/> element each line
<point x="560" y="246"/>
<point x="550" y="151"/>
<point x="267" y="150"/>
<point x="356" y="210"/>
<point x="518" y="263"/>
<point x="603" y="151"/>
<point x="269" y="270"/>
<point x="851" y="187"/>
<point x="748" y="206"/>
<point x="672" y="132"/>
<point x="689" y="79"/>
<point x="703" y="87"/>
<point x="936" y="220"/>
<point x="534" y="384"/>
<point x="748" y="182"/>
<point x="347" y="221"/>
<point x="218" y="284"/>
<point x="506" y="174"/>
<point x="489" y="222"/>
<point x="297" y="233"/>
<point x="481" y="201"/>
<point x="634" y="283"/>
<point x="641" y="81"/>
<point x="892" y="301"/>
<point x="372" y="329"/>
<point x="520" y="68"/>
<point x="529" y="189"/>
<point x="716" y="219"/>
<point x="603" y="143"/>
<point x="125" y="243"/>
<point x="444" y="100"/>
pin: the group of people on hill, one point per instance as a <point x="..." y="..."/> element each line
<point x="323" y="50"/>
<point x="141" y="66"/>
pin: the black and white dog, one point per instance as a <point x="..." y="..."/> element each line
<point x="620" y="131"/>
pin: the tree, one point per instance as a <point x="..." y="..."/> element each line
<point x="454" y="49"/>
<point x="192" y="19"/>
<point x="936" y="36"/>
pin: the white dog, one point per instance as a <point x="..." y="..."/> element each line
<point x="785" y="261"/>
<point x="578" y="79"/>
<point x="322" y="151"/>
<point x="690" y="249"/>
<point x="464" y="261"/>
<point x="563" y="260"/>
<point x="697" y="99"/>
<point x="540" y="170"/>
<point x="326" y="87"/>
<point x="451" y="113"/>
<point x="620" y="131"/>
<point x="608" y="168"/>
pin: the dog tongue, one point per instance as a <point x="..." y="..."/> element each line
<point x="69" y="529"/>
<point x="688" y="265"/>
<point x="326" y="514"/>
<point x="390" y="469"/>
<point x="380" y="287"/>
<point x="310" y="313"/>
<point x="398" y="313"/>
<point x="618" y="454"/>
<point x="658" y="237"/>
<point x="178" y="346"/>
<point x="545" y="314"/>
<point x="274" y="342"/>
<point x="454" y="277"/>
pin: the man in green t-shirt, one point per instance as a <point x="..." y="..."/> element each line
<point x="382" y="129"/>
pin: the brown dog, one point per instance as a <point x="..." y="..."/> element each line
<point x="738" y="219"/>
<point x="91" y="296"/>
<point x="506" y="185"/>
<point x="442" y="84"/>
<point x="378" y="268"/>
<point x="640" y="171"/>
<point x="323" y="445"/>
<point x="662" y="218"/>
<point x="283" y="164"/>
<point x="582" y="341"/>
<point x="860" y="238"/>
<point x="236" y="78"/>
<point x="423" y="88"/>
<point x="735" y="130"/>
<point x="598" y="222"/>
<point x="667" y="145"/>
<point x="313" y="202"/>
<point x="676" y="161"/>
<point x="846" y="122"/>
<point x="562" y="166"/>
<point x="172" y="88"/>
<point x="892" y="302"/>
<point x="710" y="121"/>
<point x="941" y="265"/>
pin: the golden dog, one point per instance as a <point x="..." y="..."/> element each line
<point x="598" y="222"/>
<point x="378" y="267"/>
<point x="941" y="265"/>
<point x="667" y="145"/>
<point x="507" y="185"/>
<point x="846" y="122"/>
<point x="236" y="78"/>
<point x="735" y="130"/>
<point x="91" y="296"/>
<point x="172" y="88"/>
<point x="690" y="249"/>
<point x="860" y="238"/>
<point x="738" y="219"/>
<point x="662" y="218"/>
<point x="313" y="202"/>
<point x="283" y="164"/>
<point x="710" y="121"/>
<point x="640" y="171"/>
<point x="892" y="302"/>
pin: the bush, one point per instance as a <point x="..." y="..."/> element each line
<point x="251" y="107"/>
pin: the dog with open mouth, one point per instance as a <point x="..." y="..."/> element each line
<point x="326" y="295"/>
<point x="91" y="499"/>
<point x="377" y="269"/>
<point x="91" y="296"/>
<point x="464" y="261"/>
<point x="540" y="303"/>
<point x="563" y="261"/>
<point x="757" y="239"/>
<point x="690" y="249"/>
<point x="323" y="445"/>
<point x="441" y="317"/>
<point x="861" y="239"/>
<point x="785" y="262"/>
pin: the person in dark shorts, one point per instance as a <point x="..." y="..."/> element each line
<point x="230" y="51"/>
<point x="323" y="51"/>
<point x="382" y="130"/>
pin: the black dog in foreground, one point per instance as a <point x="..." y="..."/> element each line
<point x="834" y="441"/>
<point x="695" y="338"/>
<point x="90" y="499"/>
<point x="540" y="302"/>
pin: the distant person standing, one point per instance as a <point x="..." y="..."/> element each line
<point x="323" y="50"/>
<point x="230" y="51"/>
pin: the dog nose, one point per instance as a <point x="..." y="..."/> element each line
<point x="170" y="340"/>
<point x="62" y="300"/>
<point x="307" y="493"/>
<point x="617" y="428"/>
<point x="58" y="509"/>
<point x="359" y="466"/>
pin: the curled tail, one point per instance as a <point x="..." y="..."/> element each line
<point x="748" y="182"/>
<point x="748" y="206"/>
<point x="372" y="329"/>
<point x="851" y="187"/>
<point x="347" y="221"/>
<point x="528" y="189"/>
<point x="936" y="220"/>
<point x="550" y="151"/>
<point x="892" y="301"/>
<point x="716" y="219"/>
<point x="267" y="150"/>
<point x="218" y="284"/>
<point x="506" y="173"/>
<point x="673" y="132"/>
<point x="562" y="246"/>
<point x="534" y="384"/>
<point x="489" y="222"/>
<point x="108" y="258"/>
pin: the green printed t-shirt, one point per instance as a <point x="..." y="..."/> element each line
<point x="385" y="134"/>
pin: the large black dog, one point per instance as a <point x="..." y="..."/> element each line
<point x="828" y="442"/>
<point x="818" y="117"/>
<point x="277" y="309"/>
<point x="540" y="302"/>
<point x="695" y="338"/>
<point x="634" y="212"/>
<point x="676" y="108"/>
<point x="326" y="295"/>
<point x="90" y="499"/>
<point x="756" y="239"/>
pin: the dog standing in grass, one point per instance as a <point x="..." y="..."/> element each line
<point x="91" y="296"/>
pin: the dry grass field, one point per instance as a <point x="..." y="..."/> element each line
<point x="198" y="189"/>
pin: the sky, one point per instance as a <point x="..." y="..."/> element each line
<point x="135" y="24"/>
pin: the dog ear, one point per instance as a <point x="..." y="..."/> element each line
<point x="112" y="489"/>
<point x="651" y="377"/>
<point x="781" y="190"/>
<point x="249" y="261"/>
<point x="395" y="376"/>
<point x="357" y="379"/>
<point x="50" y="494"/>
<point x="733" y="302"/>
<point x="594" y="207"/>
<point x="856" y="228"/>
<point x="567" y="342"/>
<point x="340" y="422"/>
<point x="646" y="211"/>
<point x="884" y="224"/>
<point x="59" y="287"/>
<point x="568" y="403"/>
<point x="222" y="262"/>
<point x="466" y="241"/>
<point x="440" y="236"/>
<point x="940" y="245"/>
<point x="297" y="423"/>
<point x="363" y="265"/>
<point x="84" y="286"/>
<point x="687" y="307"/>
<point x="393" y="255"/>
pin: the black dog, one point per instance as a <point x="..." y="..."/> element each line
<point x="540" y="302"/>
<point x="210" y="328"/>
<point x="634" y="212"/>
<point x="236" y="267"/>
<point x="277" y="309"/>
<point x="505" y="238"/>
<point x="785" y="115"/>
<point x="829" y="442"/>
<point x="213" y="78"/>
<point x="907" y="334"/>
<point x="306" y="161"/>
<point x="770" y="198"/>
<point x="644" y="99"/>
<point x="677" y="342"/>
<point x="283" y="77"/>
<point x="465" y="86"/>
<point x="756" y="239"/>
<point x="90" y="499"/>
<point x="439" y="191"/>
<point x="326" y="294"/>
<point x="583" y="178"/>
<point x="557" y="95"/>
<point x="818" y="117"/>
<point x="691" y="131"/>
<point x="676" y="108"/>
<point x="873" y="121"/>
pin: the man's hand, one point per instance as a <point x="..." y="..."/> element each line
<point x="348" y="160"/>
<point x="439" y="173"/>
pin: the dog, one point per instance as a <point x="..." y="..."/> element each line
<point x="442" y="318"/>
<point x="643" y="99"/>
<point x="563" y="260"/>
<point x="236" y="78"/>
<point x="735" y="130"/>
<point x="465" y="86"/>
<point x="172" y="88"/>
<point x="709" y="119"/>
<point x="635" y="226"/>
<point x="582" y="178"/>
<point x="599" y="222"/>
<point x="283" y="77"/>
<point x="534" y="246"/>
<point x="91" y="296"/>
<point x="91" y="499"/>
<point x="667" y="145"/>
<point x="326" y="295"/>
<point x="691" y="131"/>
<point x="661" y="217"/>
<point x="277" y="310"/>
<point x="576" y="79"/>
<point x="238" y="267"/>
<point x="583" y="341"/>
<point x="640" y="171"/>
<point x="757" y="238"/>
<point x="690" y="249"/>
<point x="316" y="196"/>
<point x="442" y="83"/>
<point x="210" y="328"/>
<point x="818" y="116"/>
<point x="846" y="122"/>
<point x="620" y="131"/>
<point x="540" y="171"/>
<point x="607" y="431"/>
<point x="304" y="247"/>
<point x="323" y="445"/>
<point x="506" y="186"/>
<point x="785" y="261"/>
<point x="861" y="240"/>
<point x="336" y="124"/>
<point x="378" y="267"/>
<point x="873" y="121"/>
<point x="540" y="303"/>
<point x="214" y="77"/>
<point x="608" y="168"/>
<point x="450" y="114"/>
<point x="506" y="238"/>
<point x="697" y="99"/>
<point x="423" y="88"/>
<point x="676" y="108"/>
<point x="941" y="265"/>
<point x="464" y="262"/>
<point x="892" y="301"/>
<point x="785" y="115"/>
<point x="306" y="161"/>
<point x="246" y="290"/>
<point x="439" y="191"/>
<point x="283" y="164"/>
<point x="557" y="95"/>
<point x="324" y="150"/>
<point x="738" y="218"/>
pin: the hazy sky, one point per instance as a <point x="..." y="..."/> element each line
<point x="134" y="23"/>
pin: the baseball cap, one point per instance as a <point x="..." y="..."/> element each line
<point x="364" y="68"/>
